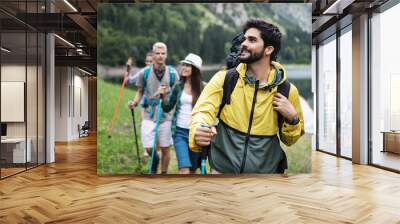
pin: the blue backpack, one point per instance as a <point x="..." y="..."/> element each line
<point x="153" y="102"/>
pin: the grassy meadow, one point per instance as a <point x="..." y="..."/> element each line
<point x="117" y="155"/>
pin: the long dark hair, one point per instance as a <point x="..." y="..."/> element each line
<point x="196" y="84"/>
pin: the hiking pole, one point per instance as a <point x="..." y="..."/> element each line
<point x="121" y="90"/>
<point x="155" y="134"/>
<point x="136" y="139"/>
<point x="204" y="153"/>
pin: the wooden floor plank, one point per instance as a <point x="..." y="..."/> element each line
<point x="70" y="191"/>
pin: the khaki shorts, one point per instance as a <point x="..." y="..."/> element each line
<point x="164" y="136"/>
<point x="215" y="172"/>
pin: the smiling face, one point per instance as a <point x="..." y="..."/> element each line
<point x="186" y="70"/>
<point x="252" y="48"/>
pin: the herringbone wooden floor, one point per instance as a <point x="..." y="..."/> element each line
<point x="70" y="191"/>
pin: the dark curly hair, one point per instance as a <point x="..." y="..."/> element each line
<point x="269" y="33"/>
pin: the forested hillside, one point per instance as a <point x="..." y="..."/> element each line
<point x="206" y="29"/>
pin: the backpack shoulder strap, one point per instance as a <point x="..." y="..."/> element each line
<point x="230" y="81"/>
<point x="284" y="89"/>
<point x="171" y="72"/>
<point x="146" y="74"/>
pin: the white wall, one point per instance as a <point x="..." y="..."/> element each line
<point x="12" y="101"/>
<point x="14" y="73"/>
<point x="80" y="100"/>
<point x="33" y="126"/>
<point x="61" y="103"/>
<point x="71" y="94"/>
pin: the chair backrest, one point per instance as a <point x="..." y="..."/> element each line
<point x="86" y="125"/>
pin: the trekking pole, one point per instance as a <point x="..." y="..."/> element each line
<point x="203" y="160"/>
<point x="121" y="90"/>
<point x="136" y="139"/>
<point x="155" y="134"/>
<point x="204" y="153"/>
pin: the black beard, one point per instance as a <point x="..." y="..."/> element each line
<point x="252" y="58"/>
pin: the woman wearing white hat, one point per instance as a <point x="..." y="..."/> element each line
<point x="184" y="96"/>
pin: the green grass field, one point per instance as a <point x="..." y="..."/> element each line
<point x="299" y="155"/>
<point x="117" y="155"/>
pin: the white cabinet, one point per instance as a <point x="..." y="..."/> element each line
<point x="18" y="149"/>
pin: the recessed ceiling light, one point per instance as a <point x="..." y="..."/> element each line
<point x="337" y="7"/>
<point x="70" y="5"/>
<point x="84" y="71"/>
<point x="5" y="50"/>
<point x="64" y="40"/>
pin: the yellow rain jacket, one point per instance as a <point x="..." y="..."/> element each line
<point x="230" y="151"/>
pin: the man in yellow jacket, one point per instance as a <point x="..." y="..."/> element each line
<point x="243" y="137"/>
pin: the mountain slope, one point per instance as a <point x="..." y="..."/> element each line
<point x="206" y="29"/>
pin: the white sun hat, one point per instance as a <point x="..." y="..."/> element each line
<point x="194" y="60"/>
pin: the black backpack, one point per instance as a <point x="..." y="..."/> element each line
<point x="232" y="60"/>
<point x="230" y="81"/>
